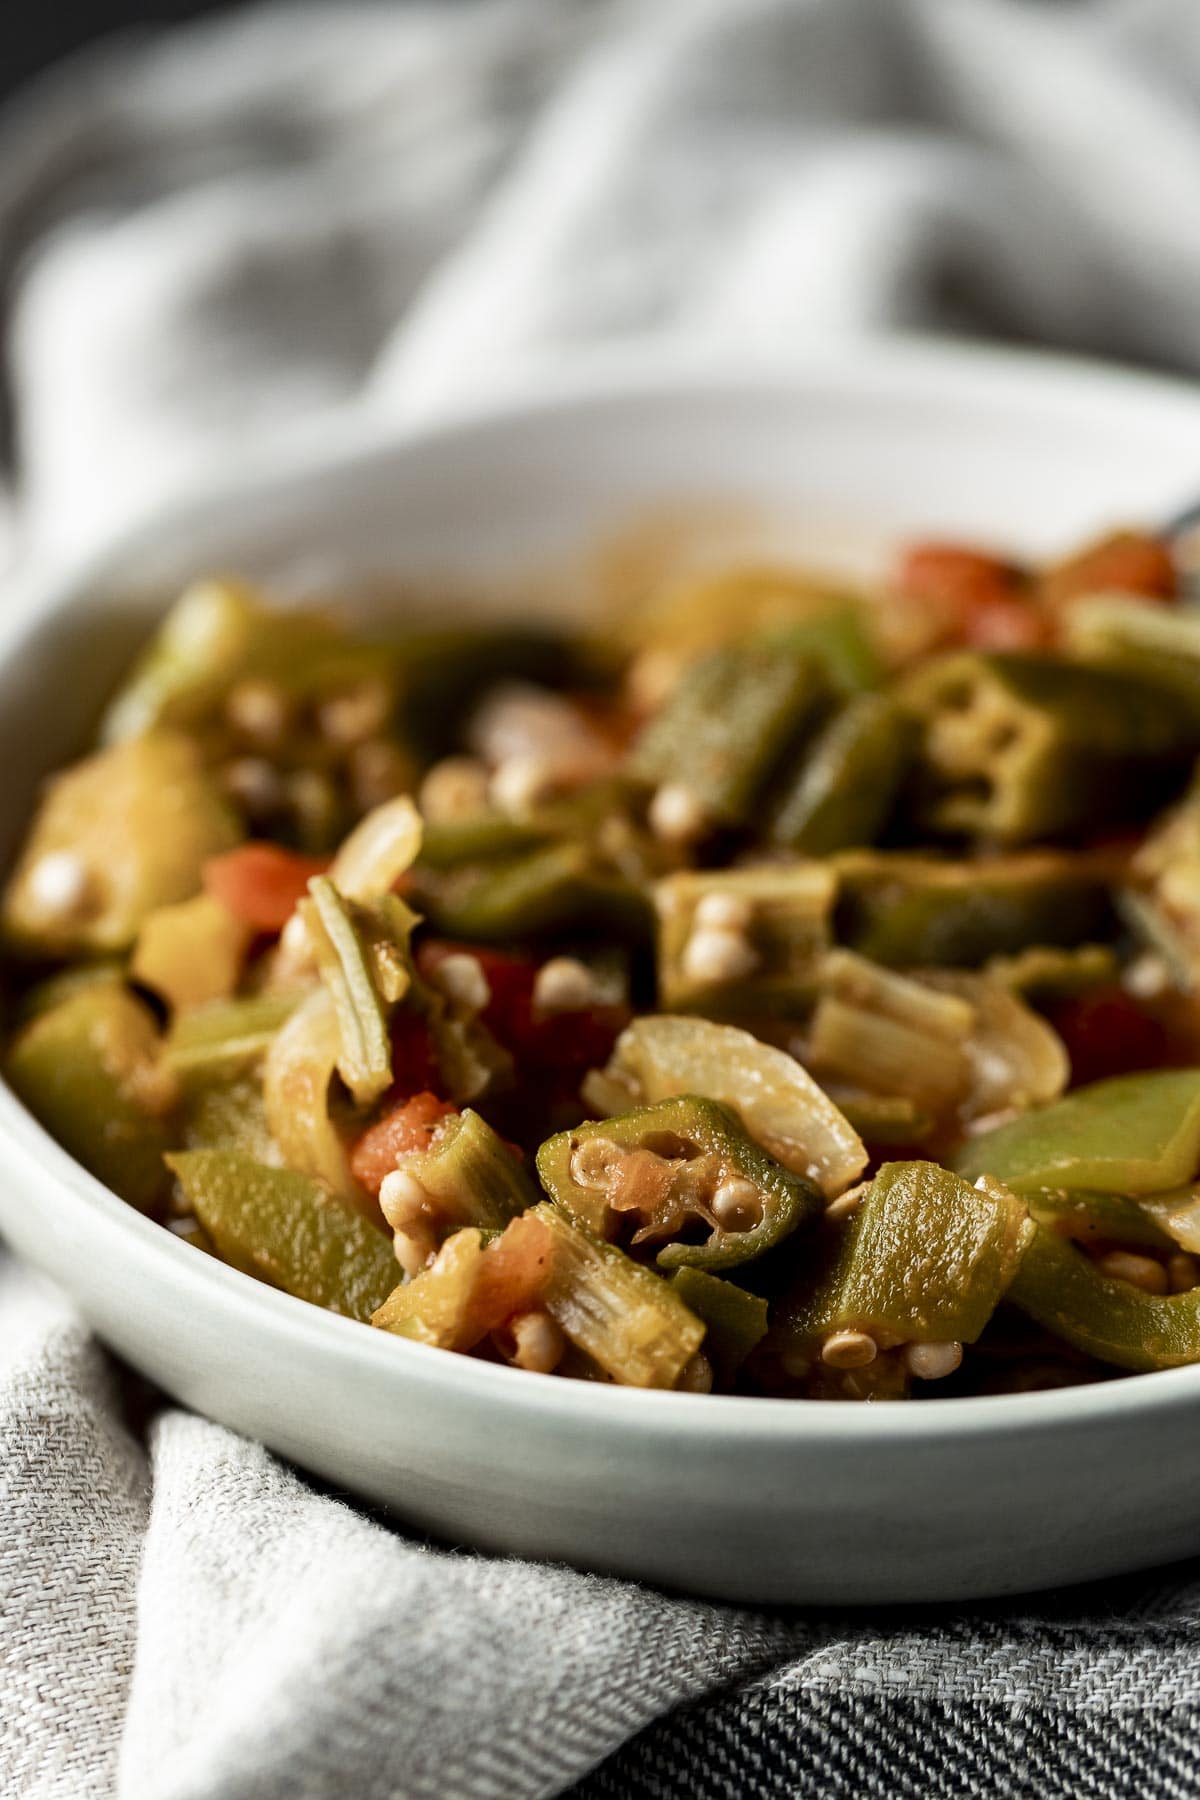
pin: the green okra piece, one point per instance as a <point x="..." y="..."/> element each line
<point x="924" y="1258"/>
<point x="1157" y="643"/>
<point x="88" y="1069"/>
<point x="444" y="671"/>
<point x="735" y="1321"/>
<point x="847" y="780"/>
<point x="489" y="837"/>
<point x="734" y="716"/>
<point x="1017" y="747"/>
<point x="1058" y="1287"/>
<point x="363" y="957"/>
<point x="1134" y="1134"/>
<point x="221" y="633"/>
<point x="546" y="892"/>
<point x="628" y="1320"/>
<point x="911" y="911"/>
<point x="289" y="1230"/>
<point x="469" y="1177"/>
<point x="780" y="914"/>
<point x="365" y="1062"/>
<point x="839" y="640"/>
<point x="662" y="1174"/>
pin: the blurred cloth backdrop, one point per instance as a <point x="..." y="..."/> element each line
<point x="211" y="233"/>
<point x="214" y="237"/>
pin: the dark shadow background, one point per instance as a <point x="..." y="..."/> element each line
<point x="32" y="36"/>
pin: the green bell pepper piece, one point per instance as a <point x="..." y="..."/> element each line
<point x="222" y="1108"/>
<point x="729" y="723"/>
<point x="289" y="1230"/>
<point x="1133" y="1135"/>
<point x="915" y="911"/>
<point x="88" y="1069"/>
<point x="924" y="1258"/>
<point x="670" y="1168"/>
<point x="735" y="1321"/>
<point x="846" y="783"/>
<point x="1017" y="747"/>
<point x="1111" y="1320"/>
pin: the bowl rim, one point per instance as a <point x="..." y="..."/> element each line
<point x="632" y="373"/>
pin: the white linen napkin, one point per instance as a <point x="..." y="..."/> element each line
<point x="302" y="212"/>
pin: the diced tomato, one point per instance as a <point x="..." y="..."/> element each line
<point x="1108" y="1032"/>
<point x="261" y="883"/>
<point x="561" y="1046"/>
<point x="414" y="1060"/>
<point x="404" y="1128"/>
<point x="977" y="599"/>
<point x="1007" y="625"/>
<point x="1127" y="562"/>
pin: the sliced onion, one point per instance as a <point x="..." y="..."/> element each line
<point x="778" y="1101"/>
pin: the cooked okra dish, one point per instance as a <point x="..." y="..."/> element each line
<point x="773" y="989"/>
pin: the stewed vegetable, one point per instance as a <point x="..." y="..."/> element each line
<point x="777" y="989"/>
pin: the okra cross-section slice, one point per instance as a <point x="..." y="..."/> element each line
<point x="681" y="1176"/>
<point x="289" y="1230"/>
<point x="778" y="1102"/>
<point x="475" y="1284"/>
<point x="467" y="1176"/>
<point x="1016" y="747"/>
<point x="1133" y="1135"/>
<point x="742" y="941"/>
<point x="846" y="782"/>
<point x="923" y="1258"/>
<point x="1060" y="1288"/>
<point x="629" y="1321"/>
<point x="732" y="718"/>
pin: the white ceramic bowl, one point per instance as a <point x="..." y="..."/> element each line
<point x="748" y="1499"/>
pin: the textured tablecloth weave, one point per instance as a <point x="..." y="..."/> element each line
<point x="297" y="213"/>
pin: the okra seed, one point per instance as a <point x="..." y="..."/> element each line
<point x="724" y="912"/>
<point x="677" y="815"/>
<point x="737" y="1204"/>
<point x="60" y="885"/>
<point x="454" y="789"/>
<point x="564" y="984"/>
<point x="932" y="1362"/>
<point x="521" y="783"/>
<point x="356" y="713"/>
<point x="1182" y="1271"/>
<point x="258" y="710"/>
<point x="538" y="1342"/>
<point x="379" y="770"/>
<point x="712" y="955"/>
<point x="1140" y="1271"/>
<point x="411" y="1251"/>
<point x="849" y="1349"/>
<point x="402" y="1199"/>
<point x="461" y="978"/>
<point x="696" y="1376"/>
<point x="254" y="784"/>
<point x="593" y="1161"/>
